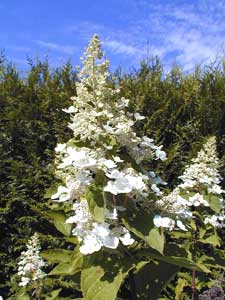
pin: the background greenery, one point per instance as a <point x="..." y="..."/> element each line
<point x="181" y="111"/>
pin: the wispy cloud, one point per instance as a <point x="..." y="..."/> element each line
<point x="119" y="47"/>
<point x="189" y="33"/>
<point x="61" y="48"/>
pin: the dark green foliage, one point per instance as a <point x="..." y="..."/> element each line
<point x="181" y="111"/>
<point x="31" y="121"/>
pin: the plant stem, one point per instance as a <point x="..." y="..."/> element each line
<point x="37" y="291"/>
<point x="193" y="285"/>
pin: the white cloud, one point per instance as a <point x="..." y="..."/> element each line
<point x="119" y="47"/>
<point x="189" y="33"/>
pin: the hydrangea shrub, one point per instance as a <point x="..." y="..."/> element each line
<point x="111" y="206"/>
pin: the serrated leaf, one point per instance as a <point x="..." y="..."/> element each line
<point x="59" y="220"/>
<point x="57" y="255"/>
<point x="73" y="267"/>
<point x="141" y="224"/>
<point x="102" y="276"/>
<point x="96" y="203"/>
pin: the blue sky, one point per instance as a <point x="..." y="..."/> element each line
<point x="186" y="32"/>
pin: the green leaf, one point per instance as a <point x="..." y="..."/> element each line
<point x="213" y="240"/>
<point x="23" y="296"/>
<point x="187" y="195"/>
<point x="53" y="295"/>
<point x="50" y="191"/>
<point x="214" y="203"/>
<point x="152" y="278"/>
<point x="174" y="260"/>
<point x="96" y="203"/>
<point x="141" y="224"/>
<point x="59" y="220"/>
<point x="103" y="275"/>
<point x="179" y="288"/>
<point x="57" y="255"/>
<point x="73" y="267"/>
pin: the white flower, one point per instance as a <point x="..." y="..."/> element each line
<point x="109" y="164"/>
<point x="216" y="189"/>
<point x="160" y="154"/>
<point x="90" y="244"/>
<point x="114" y="174"/>
<point x="138" y="117"/>
<point x="216" y="220"/>
<point x="82" y="214"/>
<point x="126" y="239"/>
<point x="204" y="170"/>
<point x="156" y="189"/>
<point x="148" y="142"/>
<point x="60" y="148"/>
<point x="111" y="242"/>
<point x="197" y="200"/>
<point x="181" y="225"/>
<point x="62" y="194"/>
<point x="163" y="222"/>
<point x="24" y="281"/>
<point x="30" y="263"/>
<point x="125" y="182"/>
<point x="119" y="186"/>
<point x="70" y="110"/>
<point x="117" y="159"/>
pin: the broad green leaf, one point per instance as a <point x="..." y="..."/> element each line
<point x="59" y="220"/>
<point x="213" y="240"/>
<point x="103" y="275"/>
<point x="69" y="268"/>
<point x="152" y="278"/>
<point x="141" y="224"/>
<point x="53" y="295"/>
<point x="96" y="203"/>
<point x="174" y="260"/>
<point x="214" y="203"/>
<point x="57" y="255"/>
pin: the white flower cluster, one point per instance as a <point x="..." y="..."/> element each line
<point x="216" y="220"/>
<point x="94" y="235"/>
<point x="202" y="175"/>
<point x="103" y="132"/>
<point x="31" y="263"/>
<point x="203" y="172"/>
<point x="125" y="182"/>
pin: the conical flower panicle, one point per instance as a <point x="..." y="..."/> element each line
<point x="203" y="172"/>
<point x="31" y="263"/>
<point x="200" y="181"/>
<point x="102" y="126"/>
